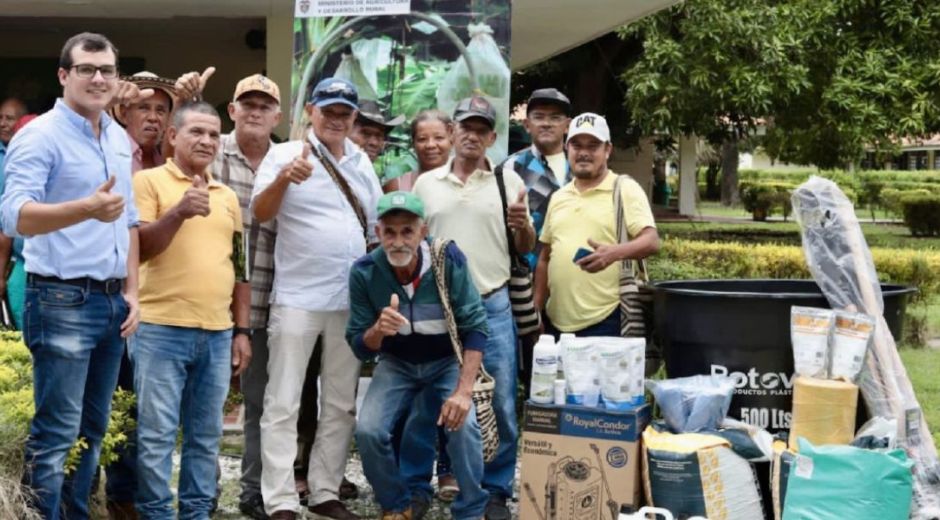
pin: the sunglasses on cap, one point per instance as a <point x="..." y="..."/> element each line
<point x="336" y="90"/>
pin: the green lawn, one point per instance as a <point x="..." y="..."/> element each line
<point x="707" y="208"/>
<point x="923" y="365"/>
<point x="877" y="235"/>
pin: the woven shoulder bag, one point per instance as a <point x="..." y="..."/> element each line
<point x="485" y="385"/>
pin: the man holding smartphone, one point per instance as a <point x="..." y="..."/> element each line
<point x="577" y="277"/>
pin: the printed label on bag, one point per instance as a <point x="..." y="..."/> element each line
<point x="804" y="467"/>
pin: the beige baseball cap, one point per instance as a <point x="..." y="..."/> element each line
<point x="257" y="83"/>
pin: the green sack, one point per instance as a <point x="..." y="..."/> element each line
<point x="844" y="482"/>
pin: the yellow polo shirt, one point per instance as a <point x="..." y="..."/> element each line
<point x="190" y="283"/>
<point x="471" y="214"/>
<point x="579" y="299"/>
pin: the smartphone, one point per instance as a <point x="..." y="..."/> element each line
<point x="581" y="253"/>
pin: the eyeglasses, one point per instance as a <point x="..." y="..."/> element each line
<point x="87" y="71"/>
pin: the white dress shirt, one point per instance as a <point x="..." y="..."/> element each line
<point x="319" y="236"/>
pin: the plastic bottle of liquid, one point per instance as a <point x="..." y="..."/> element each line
<point x="563" y="341"/>
<point x="544" y="370"/>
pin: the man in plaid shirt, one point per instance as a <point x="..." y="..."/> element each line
<point x="255" y="109"/>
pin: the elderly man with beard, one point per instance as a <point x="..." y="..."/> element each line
<point x="583" y="297"/>
<point x="396" y="312"/>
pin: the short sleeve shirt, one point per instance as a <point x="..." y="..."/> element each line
<point x="190" y="283"/>
<point x="578" y="299"/>
<point x="471" y="214"/>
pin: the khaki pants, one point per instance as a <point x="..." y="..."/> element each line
<point x="292" y="336"/>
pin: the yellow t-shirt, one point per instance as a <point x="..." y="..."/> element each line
<point x="471" y="214"/>
<point x="190" y="283"/>
<point x="578" y="299"/>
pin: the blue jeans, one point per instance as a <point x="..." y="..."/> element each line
<point x="181" y="376"/>
<point x="74" y="335"/>
<point x="395" y="387"/>
<point x="499" y="359"/>
<point x="609" y="326"/>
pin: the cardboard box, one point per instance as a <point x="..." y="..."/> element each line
<point x="580" y="463"/>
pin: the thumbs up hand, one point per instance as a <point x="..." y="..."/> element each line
<point x="128" y="93"/>
<point x="189" y="86"/>
<point x="195" y="201"/>
<point x="518" y="212"/>
<point x="390" y="320"/>
<point x="300" y="169"/>
<point x="103" y="205"/>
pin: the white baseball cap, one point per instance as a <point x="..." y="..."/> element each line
<point x="591" y="124"/>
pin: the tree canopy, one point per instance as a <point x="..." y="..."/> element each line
<point x="827" y="78"/>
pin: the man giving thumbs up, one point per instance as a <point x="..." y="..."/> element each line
<point x="185" y="351"/>
<point x="68" y="193"/>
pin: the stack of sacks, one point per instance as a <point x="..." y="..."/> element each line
<point x="698" y="462"/>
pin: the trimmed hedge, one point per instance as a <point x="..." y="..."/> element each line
<point x="922" y="214"/>
<point x="868" y="188"/>
<point x="765" y="198"/>
<point x="689" y="259"/>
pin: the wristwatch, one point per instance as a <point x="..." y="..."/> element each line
<point x="241" y="330"/>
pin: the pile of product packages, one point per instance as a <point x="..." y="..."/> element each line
<point x="590" y="450"/>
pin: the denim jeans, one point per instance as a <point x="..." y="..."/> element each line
<point x="499" y="359"/>
<point x="396" y="386"/>
<point x="609" y="326"/>
<point x="181" y="376"/>
<point x="75" y="340"/>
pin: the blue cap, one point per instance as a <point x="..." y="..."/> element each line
<point x="330" y="91"/>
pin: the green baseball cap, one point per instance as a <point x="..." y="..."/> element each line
<point x="403" y="201"/>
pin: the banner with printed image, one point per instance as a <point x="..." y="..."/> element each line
<point x="439" y="53"/>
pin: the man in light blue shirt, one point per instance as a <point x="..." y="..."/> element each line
<point x="68" y="190"/>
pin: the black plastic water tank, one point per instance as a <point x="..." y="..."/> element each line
<point x="741" y="328"/>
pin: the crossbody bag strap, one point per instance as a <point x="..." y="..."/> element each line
<point x="344" y="188"/>
<point x="623" y="235"/>
<point x="501" y="184"/>
<point x="438" y="265"/>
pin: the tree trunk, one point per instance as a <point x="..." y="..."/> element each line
<point x="712" y="189"/>
<point x="729" y="172"/>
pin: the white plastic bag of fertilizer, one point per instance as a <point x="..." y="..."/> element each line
<point x="850" y="341"/>
<point x="582" y="372"/>
<point x="617" y="386"/>
<point x="810" y="329"/>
